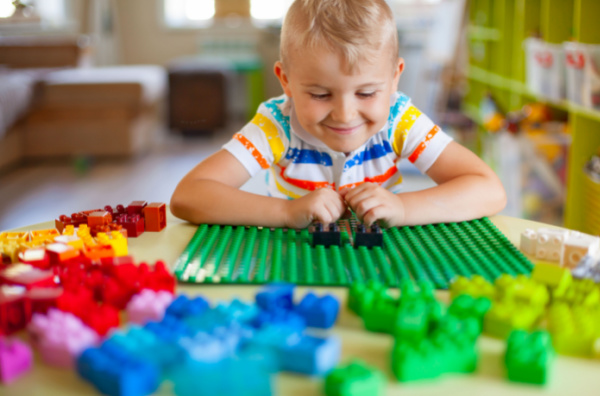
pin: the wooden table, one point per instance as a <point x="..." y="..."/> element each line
<point x="570" y="376"/>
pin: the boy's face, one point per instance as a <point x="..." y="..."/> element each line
<point x="340" y="108"/>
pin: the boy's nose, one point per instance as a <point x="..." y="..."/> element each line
<point x="344" y="111"/>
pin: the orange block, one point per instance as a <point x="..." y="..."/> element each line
<point x="59" y="252"/>
<point x="155" y="216"/>
<point x="98" y="252"/>
<point x="99" y="218"/>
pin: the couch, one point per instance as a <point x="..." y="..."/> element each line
<point x="53" y="104"/>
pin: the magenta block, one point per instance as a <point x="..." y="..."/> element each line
<point x="148" y="305"/>
<point x="15" y="359"/>
<point x="61" y="337"/>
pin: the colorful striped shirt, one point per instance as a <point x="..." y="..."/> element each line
<point x="299" y="163"/>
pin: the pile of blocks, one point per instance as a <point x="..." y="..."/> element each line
<point x="564" y="247"/>
<point x="429" y="340"/>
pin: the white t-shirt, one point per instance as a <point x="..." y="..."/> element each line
<point x="299" y="163"/>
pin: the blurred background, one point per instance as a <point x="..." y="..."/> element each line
<point x="105" y="102"/>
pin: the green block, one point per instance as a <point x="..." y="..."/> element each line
<point x="529" y="356"/>
<point x="413" y="361"/>
<point x="382" y="316"/>
<point x="355" y="379"/>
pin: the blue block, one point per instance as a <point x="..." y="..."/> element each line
<point x="319" y="312"/>
<point x="277" y="296"/>
<point x="115" y="373"/>
<point x="238" y="310"/>
<point x="170" y="329"/>
<point x="311" y="355"/>
<point x="279" y="318"/>
<point x="206" y="348"/>
<point x="183" y="306"/>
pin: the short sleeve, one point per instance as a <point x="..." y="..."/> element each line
<point x="260" y="143"/>
<point x="416" y="137"/>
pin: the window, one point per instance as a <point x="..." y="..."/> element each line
<point x="200" y="13"/>
<point x="50" y="12"/>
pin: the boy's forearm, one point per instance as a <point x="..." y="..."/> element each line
<point x="211" y="202"/>
<point x="464" y="198"/>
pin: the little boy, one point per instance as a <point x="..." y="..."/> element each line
<point x="332" y="142"/>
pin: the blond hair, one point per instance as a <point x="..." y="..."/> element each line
<point x="354" y="28"/>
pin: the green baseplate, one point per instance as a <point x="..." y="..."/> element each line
<point x="435" y="253"/>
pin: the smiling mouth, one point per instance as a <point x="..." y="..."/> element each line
<point x="344" y="130"/>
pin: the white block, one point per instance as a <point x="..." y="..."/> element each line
<point x="576" y="246"/>
<point x="550" y="243"/>
<point x="528" y="241"/>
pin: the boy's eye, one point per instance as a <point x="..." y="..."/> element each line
<point x="366" y="94"/>
<point x="319" y="96"/>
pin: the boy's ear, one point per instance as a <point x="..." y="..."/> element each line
<point x="398" y="71"/>
<point x="282" y="77"/>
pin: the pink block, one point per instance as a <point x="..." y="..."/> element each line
<point x="61" y="337"/>
<point x="148" y="305"/>
<point x="15" y="359"/>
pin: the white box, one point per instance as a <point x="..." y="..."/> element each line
<point x="545" y="68"/>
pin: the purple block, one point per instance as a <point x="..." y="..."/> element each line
<point x="61" y="337"/>
<point x="148" y="305"/>
<point x="15" y="359"/>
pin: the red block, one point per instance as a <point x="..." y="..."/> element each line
<point x="37" y="257"/>
<point x="155" y="216"/>
<point x="159" y="279"/>
<point x="15" y="309"/>
<point x="117" y="294"/>
<point x="27" y="276"/>
<point x="59" y="253"/>
<point x="102" y="318"/>
<point x="108" y="264"/>
<point x="78" y="302"/>
<point x="119" y="209"/>
<point x="43" y="298"/>
<point x="134" y="224"/>
<point x="136" y="207"/>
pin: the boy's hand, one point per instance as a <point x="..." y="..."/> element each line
<point x="371" y="203"/>
<point x="324" y="205"/>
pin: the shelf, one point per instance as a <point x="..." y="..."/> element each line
<point x="485" y="77"/>
<point x="483" y="33"/>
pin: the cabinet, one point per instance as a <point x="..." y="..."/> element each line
<point x="496" y="30"/>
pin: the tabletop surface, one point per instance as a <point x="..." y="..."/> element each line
<point x="569" y="375"/>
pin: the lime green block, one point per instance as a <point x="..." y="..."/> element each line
<point x="552" y="275"/>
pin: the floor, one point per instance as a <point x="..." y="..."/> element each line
<point x="43" y="191"/>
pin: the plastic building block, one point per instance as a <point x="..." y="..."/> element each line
<point x="369" y="237"/>
<point x="361" y="296"/>
<point x="326" y="235"/>
<point x="319" y="312"/>
<point x="382" y="315"/>
<point x="59" y="253"/>
<point x="477" y="286"/>
<point x="279" y="318"/>
<point x="115" y="372"/>
<point x="42" y="299"/>
<point x="61" y="337"/>
<point x="133" y="223"/>
<point x="354" y="379"/>
<point x="102" y="318"/>
<point x="504" y="317"/>
<point x="552" y="276"/>
<point x="436" y="253"/>
<point x="311" y="355"/>
<point x="276" y="297"/>
<point x="581" y="292"/>
<point x="521" y="289"/>
<point x="145" y="345"/>
<point x="528" y="241"/>
<point x="575" y="330"/>
<point x="116" y="293"/>
<point x="529" y="357"/>
<point x="15" y="359"/>
<point x="98" y="252"/>
<point x="159" y="278"/>
<point x="116" y="240"/>
<point x="148" y="305"/>
<point x="117" y="210"/>
<point x="155" y="216"/>
<point x="27" y="276"/>
<point x="183" y="307"/>
<point x="71" y="240"/>
<point x="15" y="309"/>
<point x="170" y="329"/>
<point x="44" y="236"/>
<point x="588" y="267"/>
<point x="550" y="243"/>
<point x="576" y="246"/>
<point x="465" y="306"/>
<point x="136" y="207"/>
<point x="238" y="310"/>
<point x="99" y="218"/>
